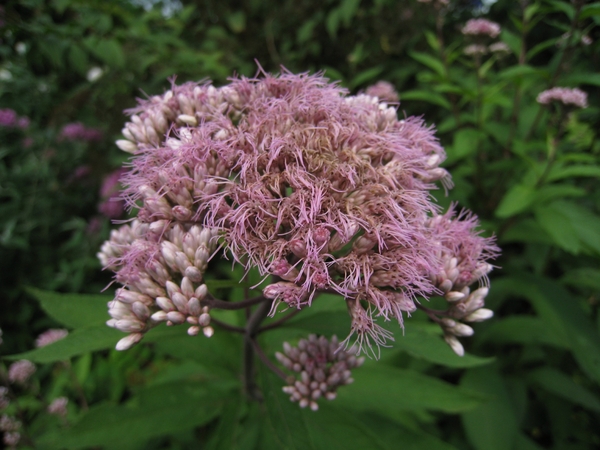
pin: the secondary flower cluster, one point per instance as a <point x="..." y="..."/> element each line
<point x="322" y="366"/>
<point x="567" y="96"/>
<point x="481" y="27"/>
<point x="325" y="191"/>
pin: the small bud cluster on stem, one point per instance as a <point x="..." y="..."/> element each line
<point x="322" y="367"/>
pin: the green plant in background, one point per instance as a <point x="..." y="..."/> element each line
<point x="529" y="169"/>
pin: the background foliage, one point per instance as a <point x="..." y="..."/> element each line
<point x="530" y="172"/>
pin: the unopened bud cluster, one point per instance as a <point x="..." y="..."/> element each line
<point x="465" y="256"/>
<point x="322" y="367"/>
<point x="161" y="266"/>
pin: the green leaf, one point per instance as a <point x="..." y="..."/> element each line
<point x="578" y="79"/>
<point x="237" y="21"/>
<point x="466" y="142"/>
<point x="348" y="9"/>
<point x="492" y="425"/>
<point x="109" y="51"/>
<point x="432" y="40"/>
<point x="524" y="330"/>
<point x="388" y="390"/>
<point x="427" y="96"/>
<point x="517" y="199"/>
<point x="590" y="11"/>
<point x="528" y="231"/>
<point x="73" y="310"/>
<point x="564" y="7"/>
<point x="563" y="386"/>
<point x="78" y="59"/>
<point x="154" y="412"/>
<point x="433" y="63"/>
<point x="518" y="71"/>
<point x="563" y="314"/>
<point x="572" y="227"/>
<point x="423" y="344"/>
<point x="559" y="173"/>
<point x="78" y="342"/>
<point x="327" y="323"/>
<point x="512" y="40"/>
<point x="284" y="420"/>
<point x="559" y="227"/>
<point x="585" y="276"/>
<point x="366" y="76"/>
<point x="394" y="433"/>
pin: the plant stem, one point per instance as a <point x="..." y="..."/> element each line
<point x="275" y="324"/>
<point x="252" y="327"/>
<point x="267" y="362"/>
<point x="212" y="302"/>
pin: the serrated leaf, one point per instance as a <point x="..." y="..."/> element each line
<point x="152" y="413"/>
<point x="78" y="342"/>
<point x="492" y="425"/>
<point x="563" y="386"/>
<point x="388" y="390"/>
<point x="73" y="310"/>
<point x="517" y="199"/>
<point x="423" y="344"/>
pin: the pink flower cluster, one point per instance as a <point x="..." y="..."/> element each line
<point x="10" y="119"/>
<point x="567" y="96"/>
<point x="325" y="191"/>
<point x="481" y="27"/>
<point x="322" y="366"/>
<point x="20" y="371"/>
<point x="384" y="91"/>
<point x="77" y="131"/>
<point x="50" y="336"/>
<point x="112" y="206"/>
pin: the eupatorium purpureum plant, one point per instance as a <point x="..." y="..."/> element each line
<point x="320" y="191"/>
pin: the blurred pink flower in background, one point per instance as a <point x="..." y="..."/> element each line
<point x="481" y="27"/>
<point x="77" y="131"/>
<point x="112" y="206"/>
<point x="20" y="371"/>
<point x="567" y="96"/>
<point x="384" y="91"/>
<point x="50" y="336"/>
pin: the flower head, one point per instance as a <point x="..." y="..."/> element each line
<point x="20" y="371"/>
<point x="50" y="336"/>
<point x="384" y="91"/>
<point x="481" y="27"/>
<point x="328" y="192"/>
<point x="77" y="131"/>
<point x="322" y="366"/>
<point x="567" y="96"/>
<point x="58" y="407"/>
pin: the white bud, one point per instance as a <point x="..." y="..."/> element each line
<point x="127" y="146"/>
<point x="208" y="331"/>
<point x="454" y="344"/>
<point x="129" y="341"/>
<point x="479" y="315"/>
